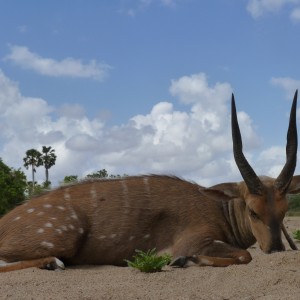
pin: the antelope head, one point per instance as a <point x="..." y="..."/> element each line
<point x="265" y="198"/>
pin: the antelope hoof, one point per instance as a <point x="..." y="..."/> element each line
<point x="55" y="265"/>
<point x="179" y="262"/>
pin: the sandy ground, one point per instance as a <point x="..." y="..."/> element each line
<point x="272" y="277"/>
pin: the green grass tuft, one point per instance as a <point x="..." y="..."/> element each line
<point x="296" y="235"/>
<point x="148" y="261"/>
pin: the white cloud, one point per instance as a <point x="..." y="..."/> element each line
<point x="169" y="3"/>
<point x="195" y="143"/>
<point x="68" y="67"/>
<point x="257" y="8"/>
<point x="146" y="3"/>
<point x="23" y="29"/>
<point x="195" y="89"/>
<point x="72" y="111"/>
<point x="83" y="142"/>
<point x="288" y="84"/>
<point x="271" y="160"/>
<point x="295" y="15"/>
<point x="143" y="5"/>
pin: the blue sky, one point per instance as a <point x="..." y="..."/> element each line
<point x="144" y="86"/>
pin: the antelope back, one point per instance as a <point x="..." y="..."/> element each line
<point x="103" y="222"/>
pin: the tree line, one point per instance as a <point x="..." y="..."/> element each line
<point x="15" y="188"/>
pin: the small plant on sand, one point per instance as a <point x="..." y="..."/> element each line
<point x="148" y="261"/>
<point x="296" y="235"/>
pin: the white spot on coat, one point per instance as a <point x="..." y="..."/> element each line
<point x="124" y="186"/>
<point x="242" y="258"/>
<point x="41" y="230"/>
<point x="64" y="228"/>
<point x="40" y="213"/>
<point x="47" y="244"/>
<point x="146" y="236"/>
<point x="74" y="216"/>
<point x="17" y="218"/>
<point x="93" y="194"/>
<point x="218" y="242"/>
<point x="112" y="236"/>
<point x="49" y="225"/>
<point x="67" y="196"/>
<point x="58" y="230"/>
<point x="101" y="237"/>
<point x="125" y="196"/>
<point x="146" y="184"/>
<point x="131" y="238"/>
<point x="81" y="230"/>
<point x="47" y="205"/>
<point x="61" y="207"/>
<point x="30" y="210"/>
<point x="71" y="226"/>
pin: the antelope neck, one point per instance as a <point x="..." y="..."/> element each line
<point x="234" y="212"/>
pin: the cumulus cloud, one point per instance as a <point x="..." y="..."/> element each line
<point x="257" y="8"/>
<point x="288" y="84"/>
<point x="72" y="111"/>
<point x="195" y="89"/>
<point x="82" y="142"/>
<point x="271" y="160"/>
<point x="194" y="143"/>
<point x="68" y="67"/>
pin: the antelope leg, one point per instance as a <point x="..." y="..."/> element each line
<point x="288" y="238"/>
<point x="216" y="254"/>
<point x="203" y="260"/>
<point x="49" y="263"/>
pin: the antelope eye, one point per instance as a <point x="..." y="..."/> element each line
<point x="253" y="214"/>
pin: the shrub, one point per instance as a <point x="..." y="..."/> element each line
<point x="12" y="187"/>
<point x="294" y="205"/>
<point x="148" y="261"/>
<point x="296" y="235"/>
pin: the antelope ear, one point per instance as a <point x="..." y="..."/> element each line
<point x="229" y="189"/>
<point x="294" y="187"/>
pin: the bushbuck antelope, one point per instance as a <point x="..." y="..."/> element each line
<point x="103" y="222"/>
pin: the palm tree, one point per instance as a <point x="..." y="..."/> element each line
<point x="33" y="159"/>
<point x="48" y="159"/>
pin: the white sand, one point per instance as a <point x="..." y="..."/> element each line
<point x="272" y="277"/>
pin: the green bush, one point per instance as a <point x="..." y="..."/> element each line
<point x="294" y="205"/>
<point x="12" y="187"/>
<point x="148" y="261"/>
